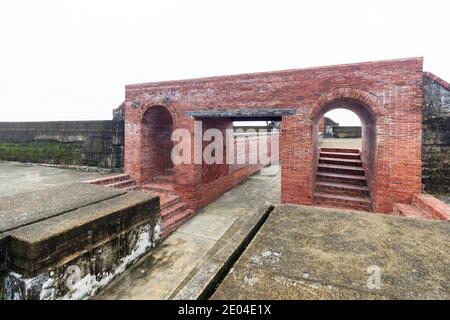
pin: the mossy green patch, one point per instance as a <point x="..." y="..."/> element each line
<point x="42" y="152"/>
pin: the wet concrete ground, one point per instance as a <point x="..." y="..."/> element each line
<point x="16" y="177"/>
<point x="306" y="252"/>
<point x="159" y="274"/>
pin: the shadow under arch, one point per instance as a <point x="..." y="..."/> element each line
<point x="156" y="131"/>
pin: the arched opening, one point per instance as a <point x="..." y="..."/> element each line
<point x="157" y="127"/>
<point x="344" y="168"/>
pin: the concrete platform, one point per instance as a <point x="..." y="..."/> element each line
<point x="94" y="231"/>
<point x="315" y="253"/>
<point x="16" y="177"/>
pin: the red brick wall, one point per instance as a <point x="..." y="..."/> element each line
<point x="391" y="90"/>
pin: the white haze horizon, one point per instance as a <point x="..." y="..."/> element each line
<point x="71" y="60"/>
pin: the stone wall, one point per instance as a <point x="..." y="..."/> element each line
<point x="436" y="135"/>
<point x="90" y="143"/>
<point x="346" y="132"/>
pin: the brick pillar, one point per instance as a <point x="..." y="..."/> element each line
<point x="296" y="155"/>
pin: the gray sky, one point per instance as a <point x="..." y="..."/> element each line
<point x="70" y="60"/>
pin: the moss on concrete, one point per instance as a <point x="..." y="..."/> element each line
<point x="43" y="152"/>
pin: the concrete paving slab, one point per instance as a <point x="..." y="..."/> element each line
<point x="16" y="177"/>
<point x="317" y="253"/>
<point x="30" y="207"/>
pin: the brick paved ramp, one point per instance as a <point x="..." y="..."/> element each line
<point x="311" y="253"/>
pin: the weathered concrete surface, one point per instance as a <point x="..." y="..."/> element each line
<point x="340" y="143"/>
<point x="315" y="253"/>
<point x="18" y="177"/>
<point x="162" y="273"/>
<point x="25" y="208"/>
<point x="204" y="278"/>
<point x="70" y="241"/>
<point x="41" y="245"/>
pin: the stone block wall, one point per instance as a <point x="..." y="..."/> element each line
<point x="90" y="143"/>
<point x="347" y="132"/>
<point x="436" y="134"/>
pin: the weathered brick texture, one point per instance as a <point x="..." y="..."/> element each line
<point x="386" y="94"/>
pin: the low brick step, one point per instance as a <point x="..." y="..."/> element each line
<point x="172" y="210"/>
<point x="343" y="201"/>
<point x="340" y="150"/>
<point x="164" y="187"/>
<point x="121" y="184"/>
<point x="173" y="223"/>
<point x="410" y="211"/>
<point x="342" y="178"/>
<point x="335" y="168"/>
<point x="109" y="179"/>
<point x="134" y="187"/>
<point x="168" y="200"/>
<point x="342" y="188"/>
<point x="340" y="155"/>
<point x="340" y="161"/>
<point x="434" y="207"/>
<point x="164" y="178"/>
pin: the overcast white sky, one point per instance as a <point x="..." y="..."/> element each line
<point x="70" y="60"/>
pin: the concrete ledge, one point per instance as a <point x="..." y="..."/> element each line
<point x="204" y="279"/>
<point x="71" y="249"/>
<point x="41" y="245"/>
<point x="26" y="208"/>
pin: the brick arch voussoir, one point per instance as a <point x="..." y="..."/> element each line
<point x="366" y="98"/>
<point x="151" y="101"/>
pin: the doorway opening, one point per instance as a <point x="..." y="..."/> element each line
<point x="344" y="153"/>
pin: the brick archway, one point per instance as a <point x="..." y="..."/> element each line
<point x="368" y="110"/>
<point x="156" y="144"/>
<point x="388" y="94"/>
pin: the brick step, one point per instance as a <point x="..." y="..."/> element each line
<point x="343" y="201"/>
<point x="174" y="222"/>
<point x="172" y="210"/>
<point x="163" y="187"/>
<point x="121" y="184"/>
<point x="334" y="168"/>
<point x="168" y="200"/>
<point x="340" y="161"/>
<point x="340" y="155"/>
<point x="164" y="178"/>
<point x="340" y="150"/>
<point x="342" y="178"/>
<point x="133" y="187"/>
<point x="342" y="188"/>
<point x="434" y="207"/>
<point x="109" y="179"/>
<point x="410" y="211"/>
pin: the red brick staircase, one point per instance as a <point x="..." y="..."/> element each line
<point x="174" y="212"/>
<point x="120" y="181"/>
<point x="423" y="206"/>
<point x="341" y="180"/>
